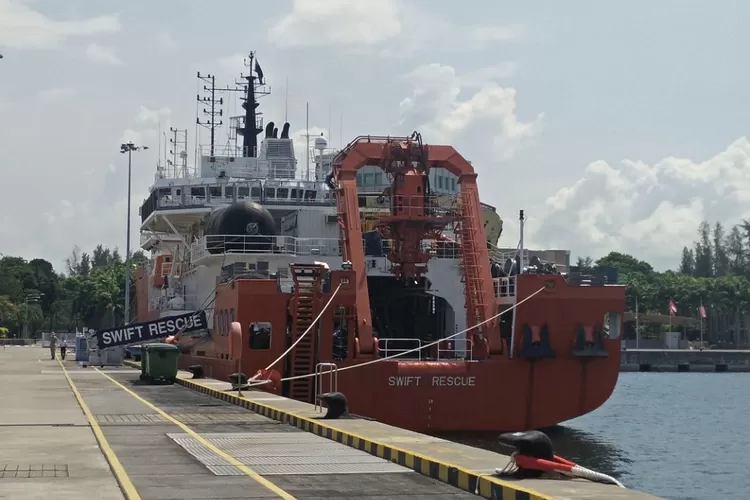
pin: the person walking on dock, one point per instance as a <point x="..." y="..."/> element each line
<point x="52" y="345"/>
<point x="63" y="348"/>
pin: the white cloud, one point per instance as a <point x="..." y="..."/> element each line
<point x="165" y="42"/>
<point x="57" y="94"/>
<point x="152" y="116"/>
<point x="397" y="28"/>
<point x="102" y="55"/>
<point x="233" y="63"/>
<point x="484" y="122"/>
<point x="80" y="194"/>
<point x="24" y="28"/>
<point x="651" y="211"/>
<point x="337" y="22"/>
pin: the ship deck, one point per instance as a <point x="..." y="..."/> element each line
<point x="195" y="440"/>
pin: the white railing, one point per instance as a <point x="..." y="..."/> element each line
<point x="406" y="344"/>
<point x="505" y="288"/>
<point x="292" y="246"/>
<point x="172" y="202"/>
<point x="500" y="257"/>
<point x="453" y="351"/>
<point x="225" y="151"/>
<point x="321" y="369"/>
<point x="263" y="245"/>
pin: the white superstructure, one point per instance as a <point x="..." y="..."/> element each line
<point x="187" y="264"/>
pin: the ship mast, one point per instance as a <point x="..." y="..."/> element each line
<point x="253" y="87"/>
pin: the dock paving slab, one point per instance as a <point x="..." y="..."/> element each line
<point x="55" y="431"/>
<point x="47" y="449"/>
<point x="454" y="463"/>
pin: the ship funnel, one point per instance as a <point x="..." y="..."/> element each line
<point x="285" y="131"/>
<point x="269" y="130"/>
<point x="275" y="132"/>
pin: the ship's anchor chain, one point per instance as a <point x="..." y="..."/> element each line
<point x="533" y="457"/>
<point x="404" y="353"/>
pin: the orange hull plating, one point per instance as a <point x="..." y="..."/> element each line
<point x="497" y="393"/>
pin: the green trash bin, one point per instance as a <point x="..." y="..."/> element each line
<point x="159" y="363"/>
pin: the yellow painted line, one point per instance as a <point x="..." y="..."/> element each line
<point x="126" y="485"/>
<point x="309" y="425"/>
<point x="226" y="456"/>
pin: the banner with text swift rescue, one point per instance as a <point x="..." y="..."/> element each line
<point x="152" y="330"/>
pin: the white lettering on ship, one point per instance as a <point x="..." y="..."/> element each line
<point x="436" y="381"/>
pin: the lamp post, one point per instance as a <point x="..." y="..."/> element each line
<point x="128" y="148"/>
<point x="32" y="298"/>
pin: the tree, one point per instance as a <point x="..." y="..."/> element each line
<point x="687" y="264"/>
<point x="625" y="264"/>
<point x="704" y="261"/>
<point x="720" y="257"/>
<point x="8" y="310"/>
<point x="585" y="263"/>
<point x="737" y="252"/>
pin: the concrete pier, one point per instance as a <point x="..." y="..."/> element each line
<point x="684" y="360"/>
<point x="74" y="433"/>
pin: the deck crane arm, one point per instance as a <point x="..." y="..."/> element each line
<point x="369" y="150"/>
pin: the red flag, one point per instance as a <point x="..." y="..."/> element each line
<point x="672" y="308"/>
<point x="702" y="311"/>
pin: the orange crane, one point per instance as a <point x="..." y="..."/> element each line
<point x="414" y="218"/>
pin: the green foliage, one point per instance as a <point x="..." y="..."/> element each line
<point x="91" y="294"/>
<point x="715" y="272"/>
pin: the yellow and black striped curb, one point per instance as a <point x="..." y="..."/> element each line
<point x="489" y="486"/>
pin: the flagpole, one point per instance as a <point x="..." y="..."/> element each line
<point x="670" y="316"/>
<point x="637" y="326"/>
<point x="700" y="313"/>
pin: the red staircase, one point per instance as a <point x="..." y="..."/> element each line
<point x="303" y="308"/>
<point x="475" y="300"/>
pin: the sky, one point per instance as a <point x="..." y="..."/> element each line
<point x="614" y="126"/>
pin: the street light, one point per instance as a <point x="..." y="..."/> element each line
<point x="32" y="297"/>
<point x="128" y="148"/>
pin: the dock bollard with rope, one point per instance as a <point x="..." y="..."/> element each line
<point x="534" y="456"/>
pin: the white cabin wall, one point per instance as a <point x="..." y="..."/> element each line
<point x="200" y="288"/>
<point x="445" y="276"/>
<point x="313" y="224"/>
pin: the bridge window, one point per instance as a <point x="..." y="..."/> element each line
<point x="310" y="194"/>
<point x="295" y="193"/>
<point x="282" y="193"/>
<point x="270" y="192"/>
<point x="215" y="191"/>
<point x="260" y="335"/>
<point x="197" y="191"/>
<point x="255" y="193"/>
<point x="229" y="191"/>
<point x="243" y="191"/>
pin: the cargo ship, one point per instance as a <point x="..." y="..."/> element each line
<point x="372" y="271"/>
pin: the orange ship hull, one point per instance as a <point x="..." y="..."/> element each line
<point x="498" y="393"/>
